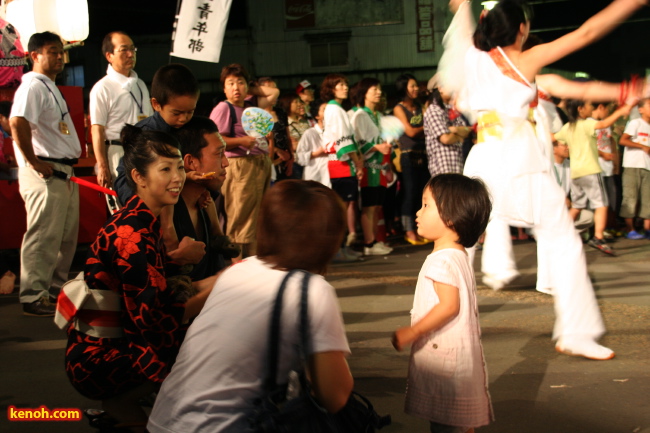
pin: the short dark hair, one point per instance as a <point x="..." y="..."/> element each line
<point x="39" y="40"/>
<point x="641" y="102"/>
<point x="5" y="108"/>
<point x="173" y="80"/>
<point x="362" y="88"/>
<point x="300" y="225"/>
<point x="235" y="70"/>
<point x="107" y="42"/>
<point x="463" y="204"/>
<point x="141" y="148"/>
<point x="191" y="135"/>
<point x="572" y="106"/>
<point x="401" y="85"/>
<point x="328" y="85"/>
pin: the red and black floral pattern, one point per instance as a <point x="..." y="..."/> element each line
<point x="128" y="257"/>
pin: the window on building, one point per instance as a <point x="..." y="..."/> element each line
<point x="329" y="49"/>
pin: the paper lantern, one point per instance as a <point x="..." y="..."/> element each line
<point x="67" y="18"/>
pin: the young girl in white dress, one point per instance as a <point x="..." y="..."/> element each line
<point x="447" y="379"/>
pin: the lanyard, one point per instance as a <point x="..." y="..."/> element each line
<point x="557" y="176"/>
<point x="136" y="101"/>
<point x="56" y="100"/>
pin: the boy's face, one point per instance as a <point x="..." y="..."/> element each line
<point x="178" y="110"/>
<point x="235" y="89"/>
<point x="561" y="150"/>
<point x="601" y="111"/>
<point x="644" y="110"/>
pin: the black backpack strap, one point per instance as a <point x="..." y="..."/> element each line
<point x="233" y="119"/>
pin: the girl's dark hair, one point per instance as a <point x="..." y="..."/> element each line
<point x="286" y="100"/>
<point x="314" y="107"/>
<point x="401" y="85"/>
<point x="499" y="27"/>
<point x="328" y="85"/>
<point x="142" y="147"/>
<point x="572" y="106"/>
<point x="300" y="225"/>
<point x="463" y="204"/>
<point x="362" y="87"/>
<point x="436" y="98"/>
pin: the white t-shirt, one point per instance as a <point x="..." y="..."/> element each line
<point x="315" y="168"/>
<point x="116" y="100"/>
<point x="639" y="132"/>
<point x="223" y="360"/>
<point x="605" y="142"/>
<point x="41" y="103"/>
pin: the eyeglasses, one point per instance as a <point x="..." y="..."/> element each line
<point x="123" y="50"/>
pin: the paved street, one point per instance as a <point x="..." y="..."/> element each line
<point x="534" y="389"/>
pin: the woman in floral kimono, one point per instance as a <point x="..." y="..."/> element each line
<point x="122" y="352"/>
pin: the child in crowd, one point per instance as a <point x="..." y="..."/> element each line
<point x="447" y="378"/>
<point x="311" y="153"/>
<point x="586" y="178"/>
<point x="607" y="156"/>
<point x="636" y="171"/>
<point x="174" y="94"/>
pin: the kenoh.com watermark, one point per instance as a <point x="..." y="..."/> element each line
<point x="42" y="414"/>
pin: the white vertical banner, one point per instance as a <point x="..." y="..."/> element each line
<point x="200" y="28"/>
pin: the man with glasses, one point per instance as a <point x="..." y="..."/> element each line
<point x="118" y="98"/>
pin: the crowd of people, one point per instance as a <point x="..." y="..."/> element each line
<point x="195" y="194"/>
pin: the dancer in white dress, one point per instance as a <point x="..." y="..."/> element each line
<point x="495" y="78"/>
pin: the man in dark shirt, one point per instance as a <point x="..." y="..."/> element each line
<point x="195" y="214"/>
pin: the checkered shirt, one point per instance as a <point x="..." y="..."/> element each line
<point x="442" y="158"/>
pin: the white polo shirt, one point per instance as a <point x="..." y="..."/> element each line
<point x="639" y="132"/>
<point x="41" y="103"/>
<point x="116" y="100"/>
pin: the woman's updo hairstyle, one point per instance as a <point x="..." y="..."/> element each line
<point x="142" y="147"/>
<point x="499" y="26"/>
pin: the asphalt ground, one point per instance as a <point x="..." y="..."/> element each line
<point x="534" y="389"/>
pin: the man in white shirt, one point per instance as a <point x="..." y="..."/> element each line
<point x="42" y="130"/>
<point x="115" y="100"/>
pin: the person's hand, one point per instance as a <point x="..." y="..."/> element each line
<point x="646" y="150"/>
<point x="283" y="154"/>
<point x="607" y="156"/>
<point x="625" y="109"/>
<point x="198" y="177"/>
<point x="403" y="337"/>
<point x="288" y="169"/>
<point x="383" y="148"/>
<point x="249" y="142"/>
<point x="42" y="168"/>
<point x="359" y="170"/>
<point x="190" y="251"/>
<point x="104" y="177"/>
<point x="205" y="199"/>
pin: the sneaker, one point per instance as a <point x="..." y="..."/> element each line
<point x="341" y="257"/>
<point x="349" y="252"/>
<point x="634" y="235"/>
<point x="608" y="234"/>
<point x="41" y="308"/>
<point x="601" y="245"/>
<point x="378" y="249"/>
<point x="352" y="237"/>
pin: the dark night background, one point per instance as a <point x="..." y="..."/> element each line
<point x="620" y="54"/>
